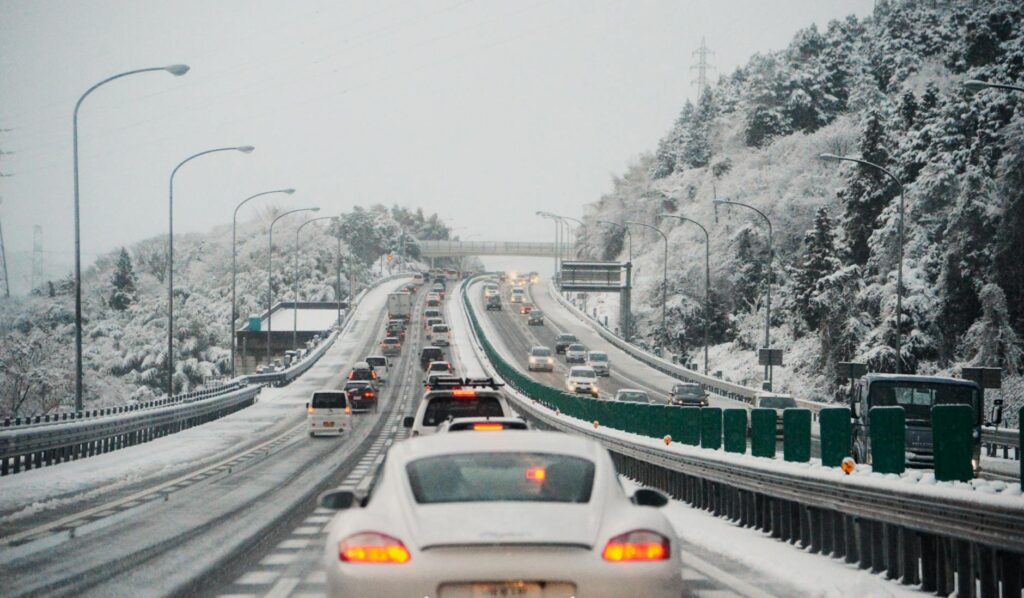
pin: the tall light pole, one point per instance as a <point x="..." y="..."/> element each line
<point x="707" y="281"/>
<point x="270" y="269"/>
<point x="295" y="311"/>
<point x="899" y="259"/>
<point x="234" y="254"/>
<point x="768" y="281"/>
<point x="177" y="70"/>
<point x="245" y="149"/>
<point x="337" y="275"/>
<point x="664" y="274"/>
<point x="558" y="246"/>
<point x="629" y="235"/>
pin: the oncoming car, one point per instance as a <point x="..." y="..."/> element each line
<point x="518" y="514"/>
<point x="575" y="353"/>
<point x="599" y="361"/>
<point x="328" y="412"/>
<point x="582" y="379"/>
<point x="633" y="395"/>
<point x="540" y="359"/>
<point x="688" y="394"/>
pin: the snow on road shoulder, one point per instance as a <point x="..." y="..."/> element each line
<point x="277" y="409"/>
<point x="462" y="340"/>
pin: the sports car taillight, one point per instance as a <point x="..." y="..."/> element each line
<point x="637" y="545"/>
<point x="373" y="548"/>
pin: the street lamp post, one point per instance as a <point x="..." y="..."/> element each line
<point x="245" y="149"/>
<point x="234" y="254"/>
<point x="899" y="259"/>
<point x="768" y="281"/>
<point x="707" y="281"/>
<point x="558" y="228"/>
<point x="177" y="70"/>
<point x="664" y="274"/>
<point x="270" y="269"/>
<point x="295" y="311"/>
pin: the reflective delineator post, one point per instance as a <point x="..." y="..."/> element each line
<point x="734" y="424"/>
<point x="834" y="424"/>
<point x="952" y="436"/>
<point x="888" y="439"/>
<point x="796" y="435"/>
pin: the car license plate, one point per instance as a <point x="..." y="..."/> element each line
<point x="328" y="424"/>
<point x="509" y="589"/>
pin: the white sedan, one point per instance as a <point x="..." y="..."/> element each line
<point x="537" y="514"/>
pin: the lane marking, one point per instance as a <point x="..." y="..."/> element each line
<point x="283" y="587"/>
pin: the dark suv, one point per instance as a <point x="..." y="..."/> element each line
<point x="564" y="340"/>
<point x="688" y="394"/>
<point x="429" y="354"/>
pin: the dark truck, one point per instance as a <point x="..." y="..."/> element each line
<point x="916" y="395"/>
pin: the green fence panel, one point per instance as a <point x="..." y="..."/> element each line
<point x="690" y="428"/>
<point x="662" y="421"/>
<point x="834" y="427"/>
<point x="762" y="432"/>
<point x="888" y="435"/>
<point x="734" y="425"/>
<point x="796" y="435"/>
<point x="953" y="441"/>
<point x="1020" y="440"/>
<point x="711" y="427"/>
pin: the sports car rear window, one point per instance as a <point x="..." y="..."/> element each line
<point x="501" y="477"/>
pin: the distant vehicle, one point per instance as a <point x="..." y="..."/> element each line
<point x="518" y="296"/>
<point x="477" y="399"/>
<point x="429" y="354"/>
<point x="438" y="506"/>
<point x="534" y="277"/>
<point x="482" y="424"/>
<point x="776" y="401"/>
<point x="562" y="342"/>
<point x="599" y="361"/>
<point x="494" y="303"/>
<point x="362" y="371"/>
<point x="540" y="358"/>
<point x="491" y="290"/>
<point x="362" y="395"/>
<point x="429" y="324"/>
<point x="439" y="379"/>
<point x="440" y="335"/>
<point x="525" y="309"/>
<point x="417" y="278"/>
<point x="688" y="394"/>
<point x="391" y="346"/>
<point x="328" y="412"/>
<point x="582" y="379"/>
<point x="535" y="318"/>
<point x="433" y="300"/>
<point x="439" y="289"/>
<point x="633" y="395"/>
<point x="440" y="367"/>
<point x="917" y="395"/>
<point x="399" y="306"/>
<point x="575" y="353"/>
<point x="396" y="329"/>
<point x="381" y="366"/>
<point x="430" y="313"/>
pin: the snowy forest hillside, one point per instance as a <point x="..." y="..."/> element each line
<point x="887" y="88"/>
<point x="125" y="305"/>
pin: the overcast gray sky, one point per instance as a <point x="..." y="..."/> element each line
<point x="483" y="111"/>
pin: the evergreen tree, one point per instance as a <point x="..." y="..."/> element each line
<point x="1009" y="238"/>
<point x="696" y="147"/>
<point x="908" y="108"/>
<point x="748" y="273"/>
<point x="123" y="282"/>
<point x="819" y="260"/>
<point x="991" y="341"/>
<point x="868" y="192"/>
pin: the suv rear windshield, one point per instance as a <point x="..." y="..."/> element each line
<point x="441" y="408"/>
<point x="501" y="477"/>
<point x="328" y="400"/>
<point x="440" y="328"/>
<point x="377" y="362"/>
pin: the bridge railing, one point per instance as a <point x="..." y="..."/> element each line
<point x="463" y="248"/>
<point x="917" y="534"/>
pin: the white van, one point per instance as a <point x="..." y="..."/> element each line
<point x="328" y="412"/>
<point x="440" y="336"/>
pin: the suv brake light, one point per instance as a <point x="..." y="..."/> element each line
<point x="637" y="545"/>
<point x="488" y="427"/>
<point x="463" y="393"/>
<point x="373" y="548"/>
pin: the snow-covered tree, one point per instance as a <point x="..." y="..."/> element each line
<point x="819" y="260"/>
<point x="123" y="282"/>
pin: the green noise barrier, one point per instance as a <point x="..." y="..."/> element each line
<point x="711" y="427"/>
<point x="835" y="435"/>
<point x="796" y="435"/>
<point x="734" y="425"/>
<point x="762" y="432"/>
<point x="888" y="439"/>
<point x="953" y="435"/>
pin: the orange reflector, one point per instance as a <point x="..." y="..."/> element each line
<point x="348" y="409"/>
<point x="537" y="474"/>
<point x="372" y="548"/>
<point x="488" y="427"/>
<point x="639" y="545"/>
<point x="310" y="410"/>
<point x="462" y="393"/>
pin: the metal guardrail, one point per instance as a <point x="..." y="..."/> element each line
<point x="1006" y="441"/>
<point x="32" y="445"/>
<point x="943" y="542"/>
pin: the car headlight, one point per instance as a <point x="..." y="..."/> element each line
<point x="550" y="361"/>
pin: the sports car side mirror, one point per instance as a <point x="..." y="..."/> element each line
<point x="408" y="421"/>
<point x="646" y="497"/>
<point x="338" y="499"/>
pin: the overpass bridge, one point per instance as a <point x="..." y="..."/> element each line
<point x="479" y="248"/>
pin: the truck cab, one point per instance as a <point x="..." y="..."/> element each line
<point x="916" y="395"/>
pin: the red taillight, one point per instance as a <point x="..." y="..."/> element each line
<point x="637" y="545"/>
<point x="488" y="427"/>
<point x="536" y="474"/>
<point x="368" y="394"/>
<point x="463" y="393"/>
<point x="373" y="548"/>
